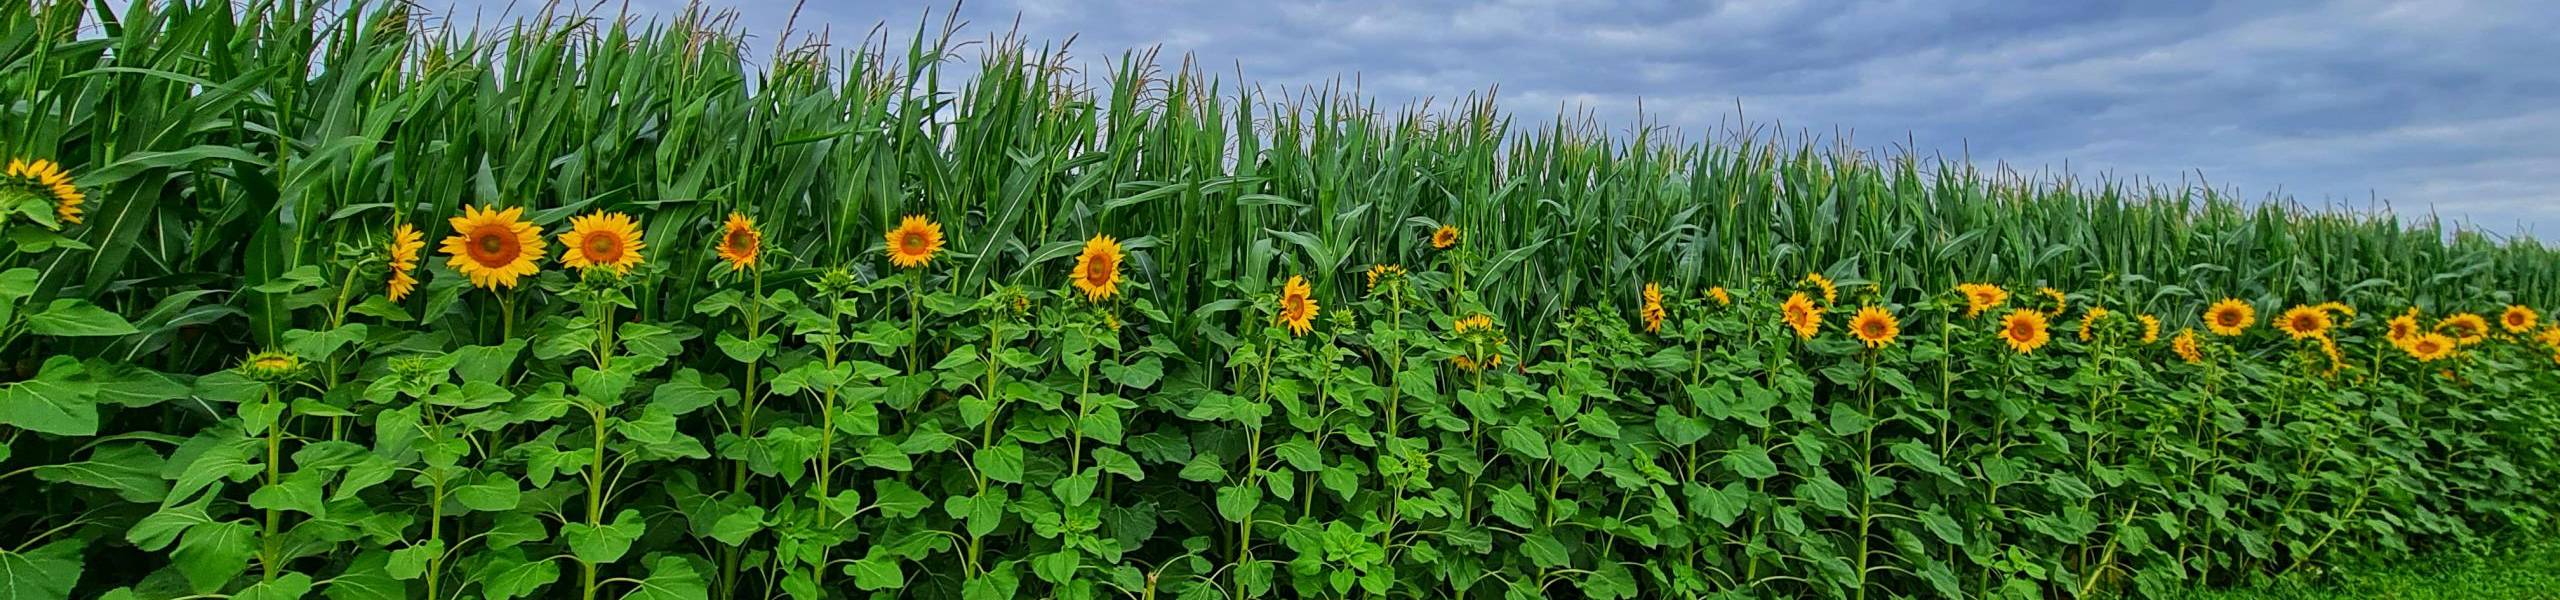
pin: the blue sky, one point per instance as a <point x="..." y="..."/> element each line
<point x="2450" y="106"/>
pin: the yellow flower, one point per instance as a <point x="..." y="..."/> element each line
<point x="2150" y="328"/>
<point x="2550" y="336"/>
<point x="1980" y="297"/>
<point x="2337" y="359"/>
<point x="2428" y="347"/>
<point x="915" y="241"/>
<point x="47" y="178"/>
<point x="1098" y="268"/>
<point x="2403" y="328"/>
<point x="602" y="240"/>
<point x="1723" y="298"/>
<point x="1830" y="293"/>
<point x="2304" y="322"/>
<point x="2089" y="322"/>
<point x="2518" y="319"/>
<point x="741" y="244"/>
<point x="2186" y="347"/>
<point x="1478" y="322"/>
<point x="1874" y="326"/>
<point x="1297" y="305"/>
<point x="2024" y="330"/>
<point x="1653" y="312"/>
<point x="405" y="244"/>
<point x="2061" y="301"/>
<point x="1445" y="237"/>
<point x="2230" y="317"/>
<point x="2465" y="328"/>
<point x="493" y="247"/>
<point x="1386" y="271"/>
<point x="1801" y="315"/>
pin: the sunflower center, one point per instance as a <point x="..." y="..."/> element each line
<point x="738" y="241"/>
<point x="1875" y="329"/>
<point x="912" y="243"/>
<point x="493" y="246"/>
<point x="2227" y="318"/>
<point x="2022" y="331"/>
<point x="602" y="248"/>
<point x="1099" y="273"/>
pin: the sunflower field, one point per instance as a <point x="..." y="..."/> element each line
<point x="331" y="300"/>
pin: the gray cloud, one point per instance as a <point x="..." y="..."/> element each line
<point x="2441" y="105"/>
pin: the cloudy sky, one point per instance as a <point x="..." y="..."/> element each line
<point x="2450" y="106"/>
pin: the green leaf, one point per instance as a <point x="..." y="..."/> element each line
<point x="670" y="578"/>
<point x="289" y="586"/>
<point x="48" y="573"/>
<point x="497" y="493"/>
<point x="129" y="468"/>
<point x="879" y="570"/>
<point x="604" y="543"/>
<point x="78" y="318"/>
<point x="1000" y="462"/>
<point x="685" y="392"/>
<point x="1236" y="502"/>
<point x="47" y="406"/>
<point x="1514" y="504"/>
<point x="212" y="554"/>
<point x="1751" y="461"/>
<point x="506" y="574"/>
<point x="1057" y="567"/>
<point x="1546" y="551"/>
<point x="896" y="500"/>
<point x="734" y="528"/>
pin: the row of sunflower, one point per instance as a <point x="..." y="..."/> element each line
<point x="846" y="434"/>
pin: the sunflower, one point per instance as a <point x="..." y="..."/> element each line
<point x="2430" y="346"/>
<point x="602" y="240"/>
<point x="915" y="241"/>
<point x="1387" y="272"/>
<point x="2060" y="301"/>
<point x="1875" y="326"/>
<point x="2518" y="319"/>
<point x="403" y="253"/>
<point x="1297" y="306"/>
<point x="2024" y="330"/>
<point x="45" y="178"/>
<point x="1981" y="297"/>
<point x="2465" y="328"/>
<point x="2402" y="328"/>
<point x="2230" y="317"/>
<point x="1830" y="292"/>
<point x="2304" y="322"/>
<point x="1801" y="315"/>
<point x="1477" y="322"/>
<point x="1723" y="298"/>
<point x="271" y="366"/>
<point x="1098" y="268"/>
<point x="2089" y="321"/>
<point x="2186" y="347"/>
<point x="493" y="247"/>
<point x="740" y="243"/>
<point x="2150" y="328"/>
<point x="1652" y="311"/>
<point x="2550" y="336"/>
<point x="1445" y="237"/>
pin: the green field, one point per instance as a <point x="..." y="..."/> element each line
<point x="317" y="300"/>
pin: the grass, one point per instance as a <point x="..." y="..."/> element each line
<point x="2521" y="569"/>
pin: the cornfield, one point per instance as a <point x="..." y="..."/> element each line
<point x="313" y="299"/>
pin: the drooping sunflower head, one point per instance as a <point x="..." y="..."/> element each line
<point x="2230" y="317"/>
<point x="2402" y="328"/>
<point x="2024" y="330"/>
<point x="1652" y="311"/>
<point x="2465" y="328"/>
<point x="1097" y="271"/>
<point x="2337" y="358"/>
<point x="1723" y="298"/>
<point x="1473" y="323"/>
<point x="493" y="247"/>
<point x="402" y="257"/>
<point x="741" y="244"/>
<point x="1801" y="315"/>
<point x="2518" y="318"/>
<point x="2304" y="322"/>
<point x="1874" y="326"/>
<point x="2150" y="328"/>
<point x="271" y="366"/>
<point x="1445" y="237"/>
<point x="1298" y="305"/>
<point x="2059" y="300"/>
<point x="2430" y="346"/>
<point x="2550" y="336"/>
<point x="1982" y="297"/>
<point x="914" y="242"/>
<point x="2090" y="321"/>
<point x="602" y="240"/>
<point x="1830" y="291"/>
<point x="1384" y="273"/>
<point x="45" y="181"/>
<point x="2186" y="347"/>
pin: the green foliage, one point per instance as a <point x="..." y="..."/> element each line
<point x="209" y="390"/>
